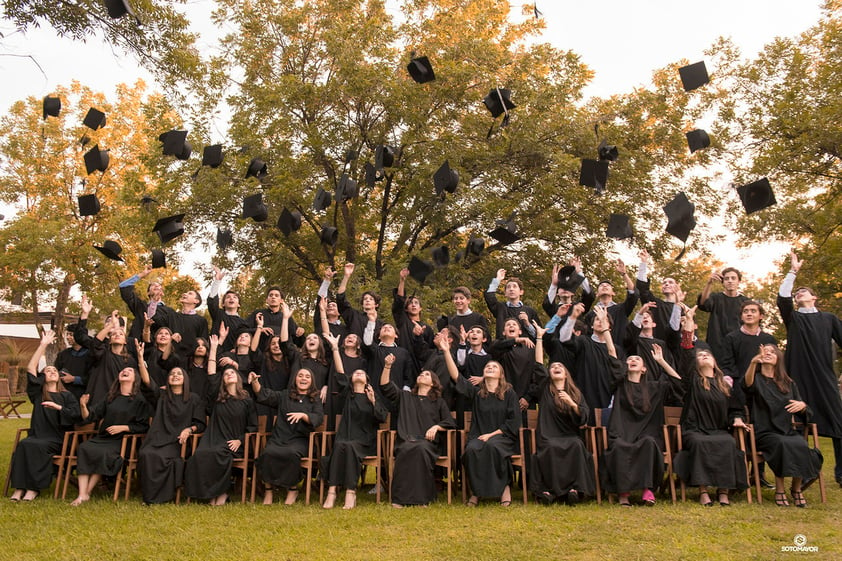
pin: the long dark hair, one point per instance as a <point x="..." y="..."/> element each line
<point x="570" y="387"/>
<point x="435" y="389"/>
<point x="239" y="392"/>
<point x="185" y="389"/>
<point x="312" y="392"/>
<point x="45" y="395"/>
<point x="114" y="390"/>
<point x="718" y="377"/>
<point x="780" y="377"/>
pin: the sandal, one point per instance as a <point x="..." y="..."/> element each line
<point x="350" y="500"/>
<point x="722" y="496"/>
<point x="330" y="500"/>
<point x="780" y="499"/>
<point x="798" y="498"/>
<point x="624" y="499"/>
<point x="702" y="499"/>
<point x="472" y="502"/>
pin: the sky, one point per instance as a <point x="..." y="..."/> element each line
<point x="622" y="41"/>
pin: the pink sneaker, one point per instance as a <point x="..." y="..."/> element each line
<point x="648" y="497"/>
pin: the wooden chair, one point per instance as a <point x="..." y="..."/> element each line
<point x="128" y="450"/>
<point x="310" y="462"/>
<point x="519" y="461"/>
<point x="9" y="403"/>
<point x="184" y="446"/>
<point x="599" y="443"/>
<point x="58" y="460"/>
<point x="375" y="461"/>
<point x="741" y="438"/>
<point x="77" y="437"/>
<point x="447" y="461"/>
<point x="673" y="445"/>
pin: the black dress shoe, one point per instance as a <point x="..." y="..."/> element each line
<point x="765" y="484"/>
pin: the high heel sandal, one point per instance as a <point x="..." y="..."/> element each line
<point x="330" y="500"/>
<point x="350" y="500"/>
<point x="705" y="495"/>
<point x="780" y="499"/>
<point x="722" y="497"/>
<point x="798" y="498"/>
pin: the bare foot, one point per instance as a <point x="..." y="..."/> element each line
<point x="330" y="500"/>
<point x="506" y="497"/>
<point x="79" y="500"/>
<point x="220" y="500"/>
<point x="350" y="500"/>
<point x="268" y="496"/>
<point x="31" y="495"/>
<point x="473" y="501"/>
<point x="17" y="495"/>
<point x="292" y="495"/>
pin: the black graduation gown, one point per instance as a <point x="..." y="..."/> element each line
<point x="336" y="398"/>
<point x="661" y="313"/>
<point x="280" y="462"/>
<point x="468" y="321"/>
<point x="619" y="313"/>
<point x="299" y="360"/>
<point x="419" y="346"/>
<point x="518" y="363"/>
<point x="32" y="461"/>
<point x="219" y="317"/>
<point x="784" y="449"/>
<point x="274" y="320"/>
<point x="502" y="311"/>
<point x="724" y="318"/>
<point x="101" y="453"/>
<point x="413" y="481"/>
<point x="810" y="359"/>
<point x="106" y="365"/>
<point x="591" y="371"/>
<point x="635" y="459"/>
<point x="78" y="363"/>
<point x="562" y="461"/>
<point x="190" y="327"/>
<point x="738" y="348"/>
<point x="488" y="464"/>
<point x="355" y="439"/>
<point x="198" y="376"/>
<point x="709" y="455"/>
<point x="356" y="320"/>
<point x="208" y="471"/>
<point x="158" y="366"/>
<point x="138" y="306"/>
<point x="159" y="462"/>
<point x="402" y="373"/>
<point x="642" y="346"/>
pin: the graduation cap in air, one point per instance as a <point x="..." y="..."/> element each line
<point x="384" y="157"/>
<point x="96" y="160"/>
<point x="420" y="269"/>
<point x="110" y="249"/>
<point x="680" y="219"/>
<point x="499" y="101"/>
<point x="51" y="107"/>
<point x="445" y="179"/>
<point x="88" y="205"/>
<point x="441" y="256"/>
<point x="212" y="156"/>
<point x="322" y="200"/>
<point x="257" y="168"/>
<point x="146" y="202"/>
<point x="607" y="152"/>
<point x="224" y="238"/>
<point x="697" y="139"/>
<point x="505" y="232"/>
<point x="421" y="70"/>
<point x="254" y="208"/>
<point x="569" y="279"/>
<point x="329" y="235"/>
<point x="594" y="173"/>
<point x="757" y="195"/>
<point x="347" y="189"/>
<point x="118" y="8"/>
<point x="475" y="246"/>
<point x="289" y="222"/>
<point x="175" y="144"/>
<point x="169" y="228"/>
<point x="159" y="260"/>
<point x="370" y="174"/>
<point x="693" y="76"/>
<point x="94" y="119"/>
<point x="619" y="227"/>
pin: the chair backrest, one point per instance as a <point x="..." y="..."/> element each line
<point x="467" y="420"/>
<point x="672" y="415"/>
<point x="5" y="393"/>
<point x="532" y="419"/>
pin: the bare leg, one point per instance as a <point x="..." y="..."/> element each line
<point x="704" y="497"/>
<point x="506" y="497"/>
<point x="292" y="495"/>
<point x="350" y="499"/>
<point x="268" y="497"/>
<point x="330" y="500"/>
<point x="84" y="495"/>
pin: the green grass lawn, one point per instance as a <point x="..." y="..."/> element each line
<point x="101" y="529"/>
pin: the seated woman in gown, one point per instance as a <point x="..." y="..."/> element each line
<point x="776" y="400"/>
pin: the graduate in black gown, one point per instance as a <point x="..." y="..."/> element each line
<point x="299" y="411"/>
<point x="226" y="312"/>
<point x="74" y="363"/>
<point x="639" y="338"/>
<point x="667" y="310"/>
<point x="465" y="318"/>
<point x="350" y="350"/>
<point x="161" y="355"/>
<point x="54" y="411"/>
<point x="356" y="436"/>
<point x="311" y="356"/>
<point x="516" y="355"/>
<point x="422" y="414"/>
<point x="358" y="320"/>
<point x="413" y="334"/>
<point x="178" y="414"/>
<point x="512" y="307"/>
<point x="810" y="357"/>
<point x="123" y="411"/>
<point x="495" y="426"/>
<point x="197" y="370"/>
<point x="563" y="467"/>
<point x="724" y="308"/>
<point x="776" y="399"/>
<point x="635" y="458"/>
<point x="709" y="456"/>
<point x="208" y="471"/>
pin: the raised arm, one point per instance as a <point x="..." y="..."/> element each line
<point x="258" y="322"/>
<point x="444" y="344"/>
<point x="343" y="284"/>
<point x="46" y="340"/>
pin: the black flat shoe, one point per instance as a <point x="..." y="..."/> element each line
<point x="765" y="484"/>
<point x="572" y="497"/>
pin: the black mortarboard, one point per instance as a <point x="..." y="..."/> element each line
<point x="169" y="228"/>
<point x="175" y="144"/>
<point x="498" y="101"/>
<point x="88" y="205"/>
<point x="757" y="195"/>
<point x="445" y="179"/>
<point x="212" y="155"/>
<point x="419" y="270"/>
<point x="146" y="201"/>
<point x="475" y="246"/>
<point x="505" y="232"/>
<point x="568" y="279"/>
<point x="594" y="173"/>
<point x="289" y="222"/>
<point x="697" y="139"/>
<point x="94" y="119"/>
<point x="421" y="70"/>
<point x="347" y="188"/>
<point x="619" y="227"/>
<point x="257" y="168"/>
<point x="384" y="157"/>
<point x="254" y="208"/>
<point x="118" y="8"/>
<point x="693" y="76"/>
<point x="51" y="106"/>
<point x="329" y="235"/>
<point x="96" y="160"/>
<point x="441" y="256"/>
<point x="607" y="152"/>
<point x="224" y="238"/>
<point x="322" y="200"/>
<point x="370" y="174"/>
<point x="110" y="249"/>
<point x="159" y="260"/>
<point x="680" y="219"/>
